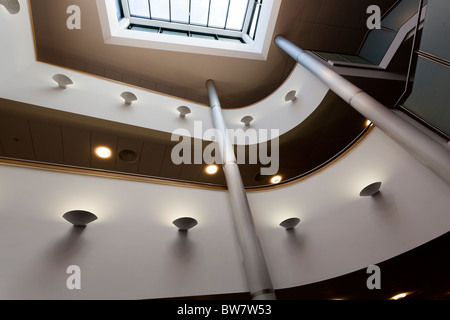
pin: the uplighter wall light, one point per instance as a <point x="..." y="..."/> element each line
<point x="62" y="80"/>
<point x="183" y="110"/>
<point x="370" y="190"/>
<point x="129" y="97"/>
<point x="13" y="6"/>
<point x="291" y="96"/>
<point x="290" y="223"/>
<point x="185" y="223"/>
<point x="247" y="120"/>
<point x="79" y="218"/>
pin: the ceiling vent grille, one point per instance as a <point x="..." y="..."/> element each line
<point x="128" y="155"/>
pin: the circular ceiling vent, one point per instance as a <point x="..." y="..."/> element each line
<point x="127" y="155"/>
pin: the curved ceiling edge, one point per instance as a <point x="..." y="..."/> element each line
<point x="179" y="183"/>
<point x="327" y="164"/>
<point x="332" y="108"/>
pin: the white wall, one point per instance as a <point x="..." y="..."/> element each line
<point x="16" y="41"/>
<point x="131" y="252"/>
<point x="342" y="232"/>
<point x="134" y="252"/>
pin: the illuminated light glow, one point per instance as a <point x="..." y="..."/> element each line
<point x="211" y="169"/>
<point x="276" y="179"/>
<point x="368" y="123"/>
<point x="399" y="296"/>
<point x="103" y="152"/>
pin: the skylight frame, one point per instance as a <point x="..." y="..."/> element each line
<point x="149" y="22"/>
<point x="115" y="30"/>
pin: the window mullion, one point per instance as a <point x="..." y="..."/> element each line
<point x="252" y="4"/>
<point x="190" y="8"/>
<point x="125" y="8"/>
<point x="170" y="11"/>
<point x="228" y="11"/>
<point x="209" y="12"/>
<point x="150" y="9"/>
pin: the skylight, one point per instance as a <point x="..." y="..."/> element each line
<point x="222" y="18"/>
<point x="231" y="28"/>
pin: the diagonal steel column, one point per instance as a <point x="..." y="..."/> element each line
<point x="258" y="278"/>
<point x="429" y="152"/>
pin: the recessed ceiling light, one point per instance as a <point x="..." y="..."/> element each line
<point x="247" y="120"/>
<point x="129" y="97"/>
<point x="62" y="80"/>
<point x="290" y="223"/>
<point x="79" y="218"/>
<point x="212" y="169"/>
<point x="185" y="223"/>
<point x="103" y="152"/>
<point x="183" y="110"/>
<point x="276" y="179"/>
<point x="291" y="96"/>
<point x="399" y="296"/>
<point x="13" y="6"/>
<point x="370" y="190"/>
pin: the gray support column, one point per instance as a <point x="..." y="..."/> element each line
<point x="258" y="277"/>
<point x="428" y="151"/>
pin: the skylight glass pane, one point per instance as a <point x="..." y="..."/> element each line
<point x="230" y="39"/>
<point x="218" y="13"/>
<point x="236" y="14"/>
<point x="160" y="9"/>
<point x="203" y="36"/>
<point x="180" y="10"/>
<point x="175" y="32"/>
<point x="254" y="22"/>
<point x="139" y="8"/>
<point x="199" y="12"/>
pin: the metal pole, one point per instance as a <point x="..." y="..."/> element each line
<point x="429" y="152"/>
<point x="258" y="277"/>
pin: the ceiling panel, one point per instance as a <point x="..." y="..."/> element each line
<point x="168" y="168"/>
<point x="16" y="138"/>
<point x="191" y="172"/>
<point x="77" y="142"/>
<point x="151" y="158"/>
<point x="47" y="141"/>
<point x="95" y="70"/>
